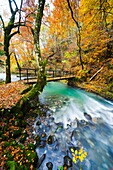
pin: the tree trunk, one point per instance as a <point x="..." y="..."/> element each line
<point x="78" y="34"/>
<point x="6" y="50"/>
<point x="79" y="47"/>
<point x="41" y="78"/>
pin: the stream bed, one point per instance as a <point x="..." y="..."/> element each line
<point x="77" y="130"/>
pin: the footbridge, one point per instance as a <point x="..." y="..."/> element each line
<point x="29" y="75"/>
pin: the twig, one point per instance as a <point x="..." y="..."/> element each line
<point x="96" y="73"/>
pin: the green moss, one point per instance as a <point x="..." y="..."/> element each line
<point x="11" y="165"/>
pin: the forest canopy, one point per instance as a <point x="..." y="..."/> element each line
<point x="79" y="33"/>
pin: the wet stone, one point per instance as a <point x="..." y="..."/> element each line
<point x="38" y="123"/>
<point x="43" y="135"/>
<point x="83" y="122"/>
<point x="75" y="134"/>
<point x="37" y="140"/>
<point x="87" y="116"/>
<point x="67" y="161"/>
<point x="49" y="165"/>
<point x="42" y="143"/>
<point x="51" y="139"/>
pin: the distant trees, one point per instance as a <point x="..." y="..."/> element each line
<point x="97" y="37"/>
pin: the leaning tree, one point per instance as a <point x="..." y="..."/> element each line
<point x="41" y="79"/>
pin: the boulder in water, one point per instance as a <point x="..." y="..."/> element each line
<point x="87" y="116"/>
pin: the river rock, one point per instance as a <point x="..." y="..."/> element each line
<point x="67" y="161"/>
<point x="83" y="122"/>
<point x="51" y="139"/>
<point x="42" y="143"/>
<point x="38" y="123"/>
<point x="37" y="140"/>
<point x="40" y="160"/>
<point x="75" y="134"/>
<point x="87" y="116"/>
<point x="49" y="165"/>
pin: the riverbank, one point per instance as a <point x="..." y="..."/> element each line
<point x="102" y="90"/>
<point x="96" y="78"/>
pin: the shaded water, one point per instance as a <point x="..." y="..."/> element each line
<point x="76" y="119"/>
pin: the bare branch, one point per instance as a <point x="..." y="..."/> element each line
<point x="15" y="4"/>
<point x="96" y="73"/>
<point x="72" y="14"/>
<point x="10" y="5"/>
<point x="51" y="55"/>
<point x="2" y="21"/>
<point x="14" y="33"/>
<point x="20" y="15"/>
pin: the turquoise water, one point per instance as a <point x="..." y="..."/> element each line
<point x="92" y="131"/>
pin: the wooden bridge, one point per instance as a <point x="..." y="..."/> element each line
<point x="29" y="75"/>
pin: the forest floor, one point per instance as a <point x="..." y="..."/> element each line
<point x="10" y="94"/>
<point x="17" y="149"/>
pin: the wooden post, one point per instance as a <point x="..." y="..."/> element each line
<point x="20" y="72"/>
<point x="27" y="75"/>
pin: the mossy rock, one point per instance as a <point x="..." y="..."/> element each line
<point x="9" y="156"/>
<point x="23" y="137"/>
<point x="31" y="155"/>
<point x="11" y="165"/>
<point x="31" y="146"/>
<point x="37" y="140"/>
<point x="6" y="144"/>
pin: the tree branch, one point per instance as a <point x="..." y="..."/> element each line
<point x="72" y="14"/>
<point x="14" y="33"/>
<point x="96" y="73"/>
<point x="10" y="5"/>
<point x="15" y="4"/>
<point x="2" y="21"/>
<point x="51" y="55"/>
<point x="20" y="15"/>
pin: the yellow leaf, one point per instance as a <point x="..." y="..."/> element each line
<point x="74" y="160"/>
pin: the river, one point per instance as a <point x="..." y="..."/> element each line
<point x="13" y="77"/>
<point x="80" y="123"/>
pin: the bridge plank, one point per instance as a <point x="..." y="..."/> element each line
<point x="33" y="81"/>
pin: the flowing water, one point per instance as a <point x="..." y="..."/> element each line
<point x="75" y="119"/>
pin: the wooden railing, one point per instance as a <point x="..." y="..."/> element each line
<point x="26" y="73"/>
<point x="31" y="73"/>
